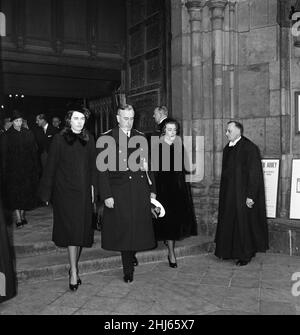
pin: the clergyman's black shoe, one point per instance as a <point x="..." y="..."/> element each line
<point x="135" y="261"/>
<point x="128" y="278"/>
<point x="240" y="262"/>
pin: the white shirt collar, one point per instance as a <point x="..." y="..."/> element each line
<point x="126" y="132"/>
<point x="233" y="143"/>
<point x="162" y="120"/>
<point x="45" y="127"/>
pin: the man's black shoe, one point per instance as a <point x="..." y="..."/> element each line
<point x="240" y="262"/>
<point x="128" y="278"/>
<point x="135" y="261"/>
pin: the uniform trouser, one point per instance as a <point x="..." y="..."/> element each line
<point x="127" y="261"/>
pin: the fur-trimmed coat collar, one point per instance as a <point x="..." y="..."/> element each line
<point x="71" y="137"/>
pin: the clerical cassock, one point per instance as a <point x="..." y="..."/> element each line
<point x="241" y="231"/>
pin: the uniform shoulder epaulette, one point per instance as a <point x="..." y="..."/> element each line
<point x="108" y="131"/>
<point x="140" y="132"/>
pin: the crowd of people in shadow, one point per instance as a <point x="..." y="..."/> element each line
<point x="63" y="167"/>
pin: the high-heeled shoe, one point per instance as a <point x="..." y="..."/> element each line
<point x="73" y="287"/>
<point x="19" y="224"/>
<point x="171" y="264"/>
<point x="79" y="282"/>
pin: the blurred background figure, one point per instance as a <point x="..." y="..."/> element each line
<point x="56" y="122"/>
<point x="25" y="124"/>
<point x="44" y="135"/>
<point x="1" y="128"/>
<point x="6" y="123"/>
<point x="160" y="116"/>
<point x="19" y="165"/>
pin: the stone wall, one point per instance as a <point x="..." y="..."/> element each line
<point x="233" y="60"/>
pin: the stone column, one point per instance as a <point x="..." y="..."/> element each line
<point x="195" y="12"/>
<point x="233" y="56"/>
<point x="194" y="9"/>
<point x="217" y="17"/>
<point x="285" y="39"/>
<point x="180" y="60"/>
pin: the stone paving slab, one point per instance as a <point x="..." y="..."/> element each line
<point x="201" y="285"/>
<point x="159" y="290"/>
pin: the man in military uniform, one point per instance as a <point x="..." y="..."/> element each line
<point x="126" y="189"/>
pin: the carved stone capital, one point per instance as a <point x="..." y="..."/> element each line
<point x="232" y="5"/>
<point x="221" y="4"/>
<point x="194" y="4"/>
<point x="217" y="9"/>
<point x="194" y="8"/>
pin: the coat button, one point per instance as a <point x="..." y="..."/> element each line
<point x="130" y="177"/>
<point x="124" y="159"/>
<point x="142" y="176"/>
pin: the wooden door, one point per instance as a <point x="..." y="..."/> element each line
<point x="147" y="58"/>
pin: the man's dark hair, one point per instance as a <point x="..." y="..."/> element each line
<point x="124" y="107"/>
<point x="42" y="116"/>
<point x="238" y="125"/>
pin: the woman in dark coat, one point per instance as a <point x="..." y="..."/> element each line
<point x="19" y="168"/>
<point x="7" y="272"/>
<point x="173" y="192"/>
<point x="68" y="181"/>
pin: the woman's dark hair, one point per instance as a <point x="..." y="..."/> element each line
<point x="70" y="112"/>
<point x="171" y="121"/>
<point x="67" y="128"/>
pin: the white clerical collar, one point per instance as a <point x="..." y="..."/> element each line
<point x="162" y="120"/>
<point x="126" y="132"/>
<point x="233" y="143"/>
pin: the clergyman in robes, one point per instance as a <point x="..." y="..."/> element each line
<point x="242" y="225"/>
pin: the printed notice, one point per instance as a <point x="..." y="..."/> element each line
<point x="271" y="175"/>
<point x="295" y="190"/>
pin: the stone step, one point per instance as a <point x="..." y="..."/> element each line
<point x="35" y="238"/>
<point x="44" y="247"/>
<point x="55" y="265"/>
